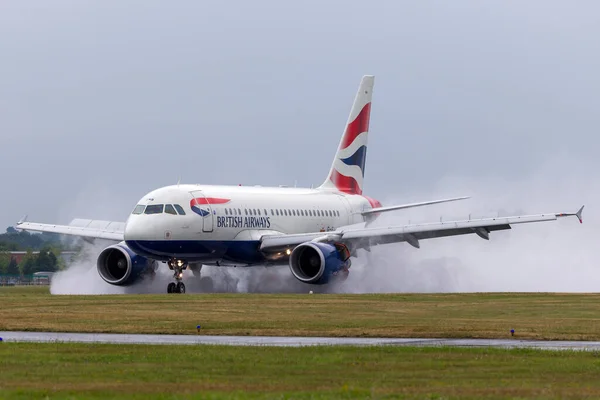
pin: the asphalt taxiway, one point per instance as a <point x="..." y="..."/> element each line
<point x="288" y="341"/>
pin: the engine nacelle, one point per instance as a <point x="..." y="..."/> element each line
<point x="317" y="263"/>
<point x="119" y="265"/>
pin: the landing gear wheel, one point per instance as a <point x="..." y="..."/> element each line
<point x="171" y="287"/>
<point x="177" y="266"/>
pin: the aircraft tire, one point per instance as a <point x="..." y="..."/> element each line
<point x="171" y="287"/>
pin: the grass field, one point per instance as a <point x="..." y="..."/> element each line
<point x="69" y="371"/>
<point x="534" y="316"/>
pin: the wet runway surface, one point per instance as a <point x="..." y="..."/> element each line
<point x="52" y="337"/>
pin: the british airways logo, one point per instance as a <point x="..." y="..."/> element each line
<point x="201" y="206"/>
<point x="200" y="211"/>
<point x="198" y="205"/>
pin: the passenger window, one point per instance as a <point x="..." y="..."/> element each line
<point x="266" y="212"/>
<point x="169" y="209"/>
<point x="138" y="209"/>
<point x="179" y="209"/>
<point x="154" y="209"/>
<point x="226" y="212"/>
<point x="272" y="213"/>
<point x="277" y="211"/>
<point x="246" y="211"/>
<point x="254" y="211"/>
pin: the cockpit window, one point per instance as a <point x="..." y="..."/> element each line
<point x="169" y="209"/>
<point x="138" y="209"/>
<point x="179" y="209"/>
<point x="154" y="209"/>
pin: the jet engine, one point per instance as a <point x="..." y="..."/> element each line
<point x="318" y="263"/>
<point x="120" y="266"/>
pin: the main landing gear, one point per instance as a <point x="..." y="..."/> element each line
<point x="178" y="266"/>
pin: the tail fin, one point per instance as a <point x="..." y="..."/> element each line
<point x="348" y="167"/>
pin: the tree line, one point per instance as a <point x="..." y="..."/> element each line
<point x="49" y="245"/>
<point x="46" y="260"/>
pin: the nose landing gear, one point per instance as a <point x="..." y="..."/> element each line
<point x="178" y="266"/>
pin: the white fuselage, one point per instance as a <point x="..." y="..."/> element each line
<point x="225" y="223"/>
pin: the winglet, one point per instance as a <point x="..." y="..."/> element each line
<point x="578" y="214"/>
<point x="24" y="219"/>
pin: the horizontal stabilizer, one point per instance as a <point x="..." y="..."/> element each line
<point x="411" y="205"/>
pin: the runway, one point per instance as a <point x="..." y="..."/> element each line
<point x="111" y="338"/>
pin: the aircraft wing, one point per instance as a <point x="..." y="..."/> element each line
<point x="361" y="236"/>
<point x="84" y="228"/>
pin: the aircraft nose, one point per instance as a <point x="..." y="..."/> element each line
<point x="134" y="230"/>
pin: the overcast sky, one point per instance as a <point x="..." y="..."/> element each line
<point x="103" y="101"/>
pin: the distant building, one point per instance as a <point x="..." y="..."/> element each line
<point x="42" y="278"/>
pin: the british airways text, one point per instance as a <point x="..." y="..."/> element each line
<point x="243" y="222"/>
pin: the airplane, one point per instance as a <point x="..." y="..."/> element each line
<point x="315" y="231"/>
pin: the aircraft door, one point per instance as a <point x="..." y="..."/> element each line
<point x="348" y="210"/>
<point x="202" y="207"/>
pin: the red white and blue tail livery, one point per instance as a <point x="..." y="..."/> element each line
<point x="348" y="169"/>
<point x="315" y="231"/>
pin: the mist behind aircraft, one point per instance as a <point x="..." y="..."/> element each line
<point x="546" y="257"/>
